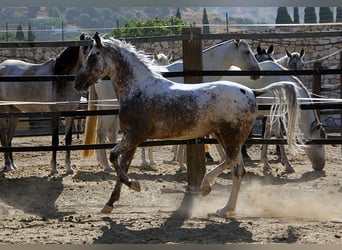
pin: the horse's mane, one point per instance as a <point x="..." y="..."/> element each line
<point x="129" y="50"/>
<point x="242" y="41"/>
<point x="66" y="61"/>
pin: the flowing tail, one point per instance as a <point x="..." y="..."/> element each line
<point x="285" y="109"/>
<point x="90" y="125"/>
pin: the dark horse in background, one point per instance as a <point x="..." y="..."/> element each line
<point x="36" y="93"/>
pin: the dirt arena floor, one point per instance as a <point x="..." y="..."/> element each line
<point x="304" y="207"/>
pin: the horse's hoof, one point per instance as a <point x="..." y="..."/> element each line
<point x="135" y="185"/>
<point x="107" y="209"/>
<point x="206" y="190"/>
<point x="53" y="171"/>
<point x="224" y="214"/>
<point x="109" y="169"/>
<point x="145" y="164"/>
<point x="8" y="169"/>
<point x="289" y="170"/>
<point x="70" y="171"/>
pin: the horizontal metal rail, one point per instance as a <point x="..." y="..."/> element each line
<point x="333" y="141"/>
<point x="10" y="78"/>
<point x="77" y="113"/>
<point x="191" y="36"/>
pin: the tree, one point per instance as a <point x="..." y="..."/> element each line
<point x="310" y="15"/>
<point x="20" y="33"/>
<point x="54" y="12"/>
<point x="339" y="15"/>
<point x="205" y="22"/>
<point x="30" y="35"/>
<point x="325" y="15"/>
<point x="283" y="16"/>
<point x="178" y="14"/>
<point x="295" y="15"/>
<point x="149" y="27"/>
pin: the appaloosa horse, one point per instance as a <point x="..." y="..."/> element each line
<point x="152" y="107"/>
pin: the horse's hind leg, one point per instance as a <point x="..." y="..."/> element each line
<point x="55" y="141"/>
<point x="7" y="127"/>
<point x="121" y="170"/>
<point x="238" y="172"/>
<point x="68" y="139"/>
<point x="144" y="161"/>
<point x="263" y="158"/>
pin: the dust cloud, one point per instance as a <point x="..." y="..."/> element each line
<point x="269" y="201"/>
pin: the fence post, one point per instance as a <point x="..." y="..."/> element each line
<point x="317" y="85"/>
<point x="192" y="60"/>
<point x="341" y="98"/>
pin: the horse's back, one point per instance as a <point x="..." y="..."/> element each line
<point x="18" y="67"/>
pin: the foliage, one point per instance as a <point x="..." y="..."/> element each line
<point x="283" y="16"/>
<point x="310" y="15"/>
<point x="54" y="12"/>
<point x="47" y="23"/>
<point x="325" y="15"/>
<point x="149" y="27"/>
<point x="205" y="22"/>
<point x="20" y="33"/>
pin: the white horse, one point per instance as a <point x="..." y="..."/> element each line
<point x="220" y="56"/>
<point x="68" y="62"/>
<point x="106" y="126"/>
<point x="309" y="122"/>
<point x="153" y="107"/>
<point x="161" y="59"/>
<point x="292" y="61"/>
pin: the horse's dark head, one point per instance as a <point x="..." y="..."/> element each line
<point x="295" y="61"/>
<point x="93" y="67"/>
<point x="264" y="54"/>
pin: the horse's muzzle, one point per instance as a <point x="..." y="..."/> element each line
<point x="256" y="77"/>
<point x="80" y="84"/>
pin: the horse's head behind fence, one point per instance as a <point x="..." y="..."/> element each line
<point x="264" y="54"/>
<point x="161" y="59"/>
<point x="295" y="60"/>
<point x="233" y="52"/>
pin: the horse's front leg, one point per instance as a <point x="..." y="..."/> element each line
<point x="55" y="142"/>
<point x="68" y="140"/>
<point x="121" y="171"/>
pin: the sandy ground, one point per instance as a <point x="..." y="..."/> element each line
<point x="304" y="207"/>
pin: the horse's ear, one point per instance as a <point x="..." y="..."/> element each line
<point x="82" y="37"/>
<point x="302" y="53"/>
<point x="155" y="56"/>
<point x="259" y="49"/>
<point x="288" y="53"/>
<point x="270" y="49"/>
<point x="236" y="42"/>
<point x="169" y="56"/>
<point x="97" y="40"/>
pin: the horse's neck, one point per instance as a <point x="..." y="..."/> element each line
<point x="218" y="57"/>
<point x="283" y="61"/>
